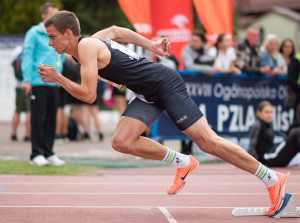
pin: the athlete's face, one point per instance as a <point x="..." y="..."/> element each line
<point x="266" y="114"/>
<point x="56" y="40"/>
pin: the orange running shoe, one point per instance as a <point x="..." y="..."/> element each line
<point x="181" y="174"/>
<point x="276" y="193"/>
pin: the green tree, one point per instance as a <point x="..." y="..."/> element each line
<point x="17" y="16"/>
<point x="97" y="14"/>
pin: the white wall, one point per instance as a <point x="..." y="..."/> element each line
<point x="282" y="26"/>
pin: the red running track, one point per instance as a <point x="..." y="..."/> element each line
<point x="138" y="195"/>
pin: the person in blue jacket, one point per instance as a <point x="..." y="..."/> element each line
<point x="44" y="98"/>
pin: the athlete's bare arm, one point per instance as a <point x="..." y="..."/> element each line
<point x="86" y="91"/>
<point x="161" y="47"/>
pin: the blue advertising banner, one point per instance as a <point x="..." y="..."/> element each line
<point x="229" y="103"/>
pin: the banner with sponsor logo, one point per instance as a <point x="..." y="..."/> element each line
<point x="216" y="17"/>
<point x="174" y="19"/>
<point x="138" y="13"/>
<point x="229" y="104"/>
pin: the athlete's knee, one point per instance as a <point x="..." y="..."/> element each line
<point x="209" y="144"/>
<point x="121" y="144"/>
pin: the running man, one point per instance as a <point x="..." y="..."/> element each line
<point x="158" y="88"/>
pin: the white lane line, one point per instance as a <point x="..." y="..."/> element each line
<point x="116" y="207"/>
<point x="137" y="184"/>
<point x="133" y="193"/>
<point x="167" y="214"/>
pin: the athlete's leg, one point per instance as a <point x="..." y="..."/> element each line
<point x="14" y="126"/>
<point x="127" y="139"/>
<point x="27" y="125"/>
<point x="186" y="115"/>
<point x="211" y="143"/>
<point x="134" y="121"/>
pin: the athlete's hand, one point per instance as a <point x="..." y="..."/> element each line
<point x="162" y="47"/>
<point x="47" y="73"/>
<point x="26" y="87"/>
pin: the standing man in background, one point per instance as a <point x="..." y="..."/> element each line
<point x="44" y="98"/>
<point x="248" y="55"/>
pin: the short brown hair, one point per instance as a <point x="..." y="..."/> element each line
<point x="63" y="20"/>
<point x="263" y="104"/>
<point x="200" y="35"/>
<point x="46" y="6"/>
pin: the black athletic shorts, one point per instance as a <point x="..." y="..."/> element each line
<point x="179" y="105"/>
<point x="63" y="98"/>
<point x="22" y="101"/>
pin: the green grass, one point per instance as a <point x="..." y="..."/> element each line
<point x="24" y="168"/>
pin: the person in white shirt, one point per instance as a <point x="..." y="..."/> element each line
<point x="224" y="55"/>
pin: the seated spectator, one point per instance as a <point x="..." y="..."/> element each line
<point x="262" y="146"/>
<point x="293" y="81"/>
<point x="248" y="54"/>
<point x="62" y="119"/>
<point x="195" y="56"/>
<point x="271" y="57"/>
<point x="287" y="50"/>
<point x="225" y="55"/>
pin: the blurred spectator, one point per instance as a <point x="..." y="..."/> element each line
<point x="22" y="100"/>
<point x="262" y="136"/>
<point x="86" y="112"/>
<point x="62" y="118"/>
<point x="287" y="50"/>
<point x="224" y="55"/>
<point x="248" y="54"/>
<point x="44" y="98"/>
<point x="94" y="112"/>
<point x="271" y="57"/>
<point x="293" y="81"/>
<point x="195" y="55"/>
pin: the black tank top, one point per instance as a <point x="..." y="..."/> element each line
<point x="150" y="79"/>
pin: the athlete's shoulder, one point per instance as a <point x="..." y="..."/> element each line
<point x="90" y="43"/>
<point x="91" y="48"/>
<point x="86" y="41"/>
